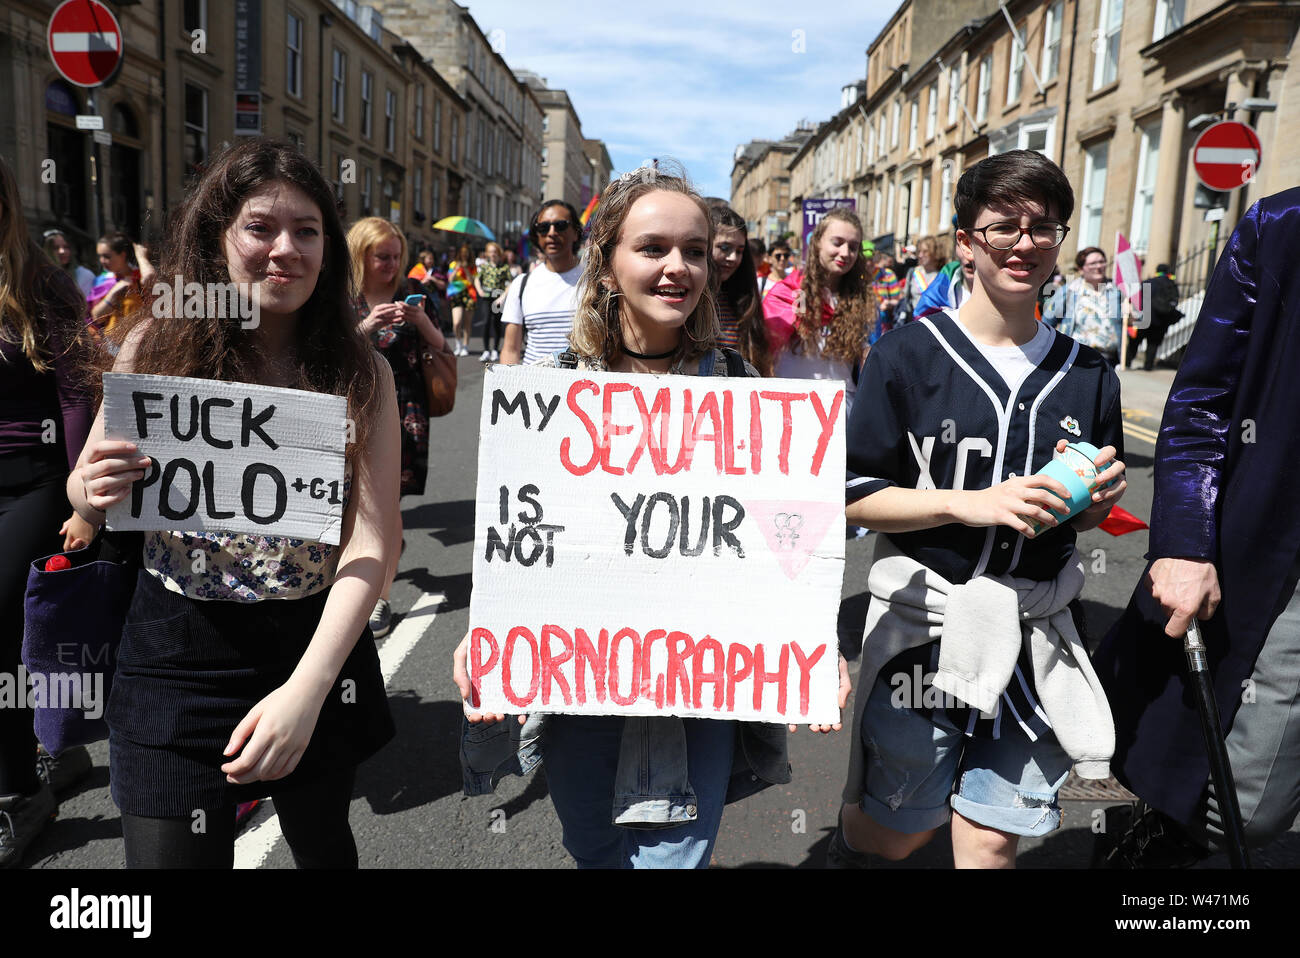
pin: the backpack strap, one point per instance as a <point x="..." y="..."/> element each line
<point x="707" y="362"/>
<point x="735" y="363"/>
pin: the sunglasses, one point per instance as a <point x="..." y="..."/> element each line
<point x="780" y="256"/>
<point x="558" y="225"/>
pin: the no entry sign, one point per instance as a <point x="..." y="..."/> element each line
<point x="85" y="42"/>
<point x="1226" y="155"/>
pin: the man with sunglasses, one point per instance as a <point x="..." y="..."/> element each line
<point x="955" y="415"/>
<point x="539" y="305"/>
<point x="779" y="258"/>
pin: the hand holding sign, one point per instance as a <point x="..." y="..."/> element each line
<point x="112" y="466"/>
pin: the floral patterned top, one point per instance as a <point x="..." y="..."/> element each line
<point x="238" y="567"/>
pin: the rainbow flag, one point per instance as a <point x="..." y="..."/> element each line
<point x="591" y="208"/>
<point x="418" y="272"/>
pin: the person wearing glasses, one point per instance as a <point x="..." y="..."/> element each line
<point x="779" y="259"/>
<point x="539" y="305"/>
<point x="1094" y="306"/>
<point x="955" y="414"/>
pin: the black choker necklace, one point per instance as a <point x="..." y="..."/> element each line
<point x="635" y="355"/>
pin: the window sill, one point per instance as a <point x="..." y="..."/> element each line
<point x="1100" y="92"/>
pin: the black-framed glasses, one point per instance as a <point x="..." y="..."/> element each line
<point x="1047" y="234"/>
<point x="558" y="225"/>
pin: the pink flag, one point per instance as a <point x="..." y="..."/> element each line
<point x="1128" y="271"/>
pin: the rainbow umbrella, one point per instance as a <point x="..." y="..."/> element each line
<point x="591" y="208"/>
<point x="103" y="283"/>
<point x="466" y="225"/>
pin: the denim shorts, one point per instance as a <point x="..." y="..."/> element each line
<point x="917" y="766"/>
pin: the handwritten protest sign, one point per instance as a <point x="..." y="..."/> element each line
<point x="658" y="545"/>
<point x="233" y="457"/>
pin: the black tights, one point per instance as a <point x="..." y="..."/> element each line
<point x="313" y="817"/>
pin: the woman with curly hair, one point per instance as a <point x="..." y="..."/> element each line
<point x="252" y="673"/>
<point x="646" y="304"/>
<point x="740" y="314"/>
<point x="818" y="319"/>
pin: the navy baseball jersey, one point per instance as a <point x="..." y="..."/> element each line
<point x="932" y="413"/>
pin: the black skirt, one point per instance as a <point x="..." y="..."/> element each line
<point x="188" y="671"/>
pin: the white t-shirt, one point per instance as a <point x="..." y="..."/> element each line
<point x="550" y="300"/>
<point x="1013" y="363"/>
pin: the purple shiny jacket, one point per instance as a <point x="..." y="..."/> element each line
<point x="1224" y="491"/>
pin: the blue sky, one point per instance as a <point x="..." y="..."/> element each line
<point x="691" y="79"/>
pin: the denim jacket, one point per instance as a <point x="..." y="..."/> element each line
<point x="652" y="784"/>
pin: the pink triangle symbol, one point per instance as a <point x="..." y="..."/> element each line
<point x="794" y="528"/>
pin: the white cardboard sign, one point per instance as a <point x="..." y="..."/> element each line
<point x="658" y="545"/>
<point x="230" y="457"/>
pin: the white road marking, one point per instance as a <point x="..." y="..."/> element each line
<point x="255" y="844"/>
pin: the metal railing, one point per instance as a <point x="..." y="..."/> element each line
<point x="1192" y="274"/>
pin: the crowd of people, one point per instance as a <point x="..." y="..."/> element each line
<point x="227" y="676"/>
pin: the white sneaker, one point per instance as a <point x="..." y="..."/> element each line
<point x="486" y="357"/>
<point x="464" y="351"/>
<point x="494" y="357"/>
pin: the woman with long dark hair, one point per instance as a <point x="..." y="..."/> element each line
<point x="42" y="364"/>
<point x="740" y="313"/>
<point x="230" y="674"/>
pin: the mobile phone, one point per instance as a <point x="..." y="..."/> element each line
<point x="415" y="299"/>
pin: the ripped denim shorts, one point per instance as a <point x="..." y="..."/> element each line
<point x="917" y="766"/>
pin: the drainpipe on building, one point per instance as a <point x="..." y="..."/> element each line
<point x="162" y="58"/>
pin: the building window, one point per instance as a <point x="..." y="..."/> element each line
<point x="881" y="137"/>
<point x="455" y="137"/>
<point x="546" y="123"/>
<point x="1017" y="67"/>
<point x="871" y="141"/>
<point x="1105" y="67"/>
<point x="932" y="111"/>
<point x="875" y="223"/>
<point x="913" y="125"/>
<point x="419" y="112"/>
<point x="891" y="223"/>
<point x="1052" y="40"/>
<point x="367" y="99"/>
<point x="338" y="84"/>
<point x="546" y="152"/>
<point x="195" y="15"/>
<point x="954" y="92"/>
<point x="1169" y="17"/>
<point x="473" y="54"/>
<point x="945" y="194"/>
<point x="417" y="190"/>
<point x="1144" y="197"/>
<point x="986" y="87"/>
<point x="1094" y="195"/>
<point x="478" y="144"/>
<point x="293" y="63"/>
<point x="895" y="120"/>
<point x="435" y="198"/>
<point x="437" y="125"/>
<point x="338" y="180"/>
<point x="295" y="138"/>
<point x="196" y="128"/>
<point x="390" y="120"/>
<point x="1037" y="137"/>
<point x="367" y="191"/>
<point x="925" y="203"/>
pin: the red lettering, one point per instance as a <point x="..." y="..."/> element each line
<point x="737" y="655"/>
<point x="729" y="435"/>
<point x="806" y="664"/>
<point x="709" y="407"/>
<point x="551" y="664"/>
<point x="787" y="420"/>
<point x="581" y="385"/>
<point x="585" y="654"/>
<point x="662" y="408"/>
<point x="507" y="659"/>
<point x="776" y="678"/>
<point x="658" y="690"/>
<point x="635" y="686"/>
<point x="677" y="673"/>
<point x="827" y="421"/>
<point x="700" y="677"/>
<point x="687" y="451"/>
<point x="610" y="430"/>
<point x="755" y="433"/>
<point x="477" y="667"/>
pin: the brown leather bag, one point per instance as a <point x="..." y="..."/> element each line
<point x="439" y="370"/>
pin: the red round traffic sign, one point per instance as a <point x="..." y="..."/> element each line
<point x="1226" y="155"/>
<point x="85" y="42"/>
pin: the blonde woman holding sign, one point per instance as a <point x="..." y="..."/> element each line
<point x="246" y="667"/>
<point x="645" y="305"/>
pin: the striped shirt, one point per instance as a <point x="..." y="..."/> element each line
<point x="546" y="313"/>
<point x="727" y="323"/>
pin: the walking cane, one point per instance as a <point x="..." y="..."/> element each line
<point x="1225" y="789"/>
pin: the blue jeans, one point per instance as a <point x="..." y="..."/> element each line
<point x="917" y="767"/>
<point x="580" y="755"/>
